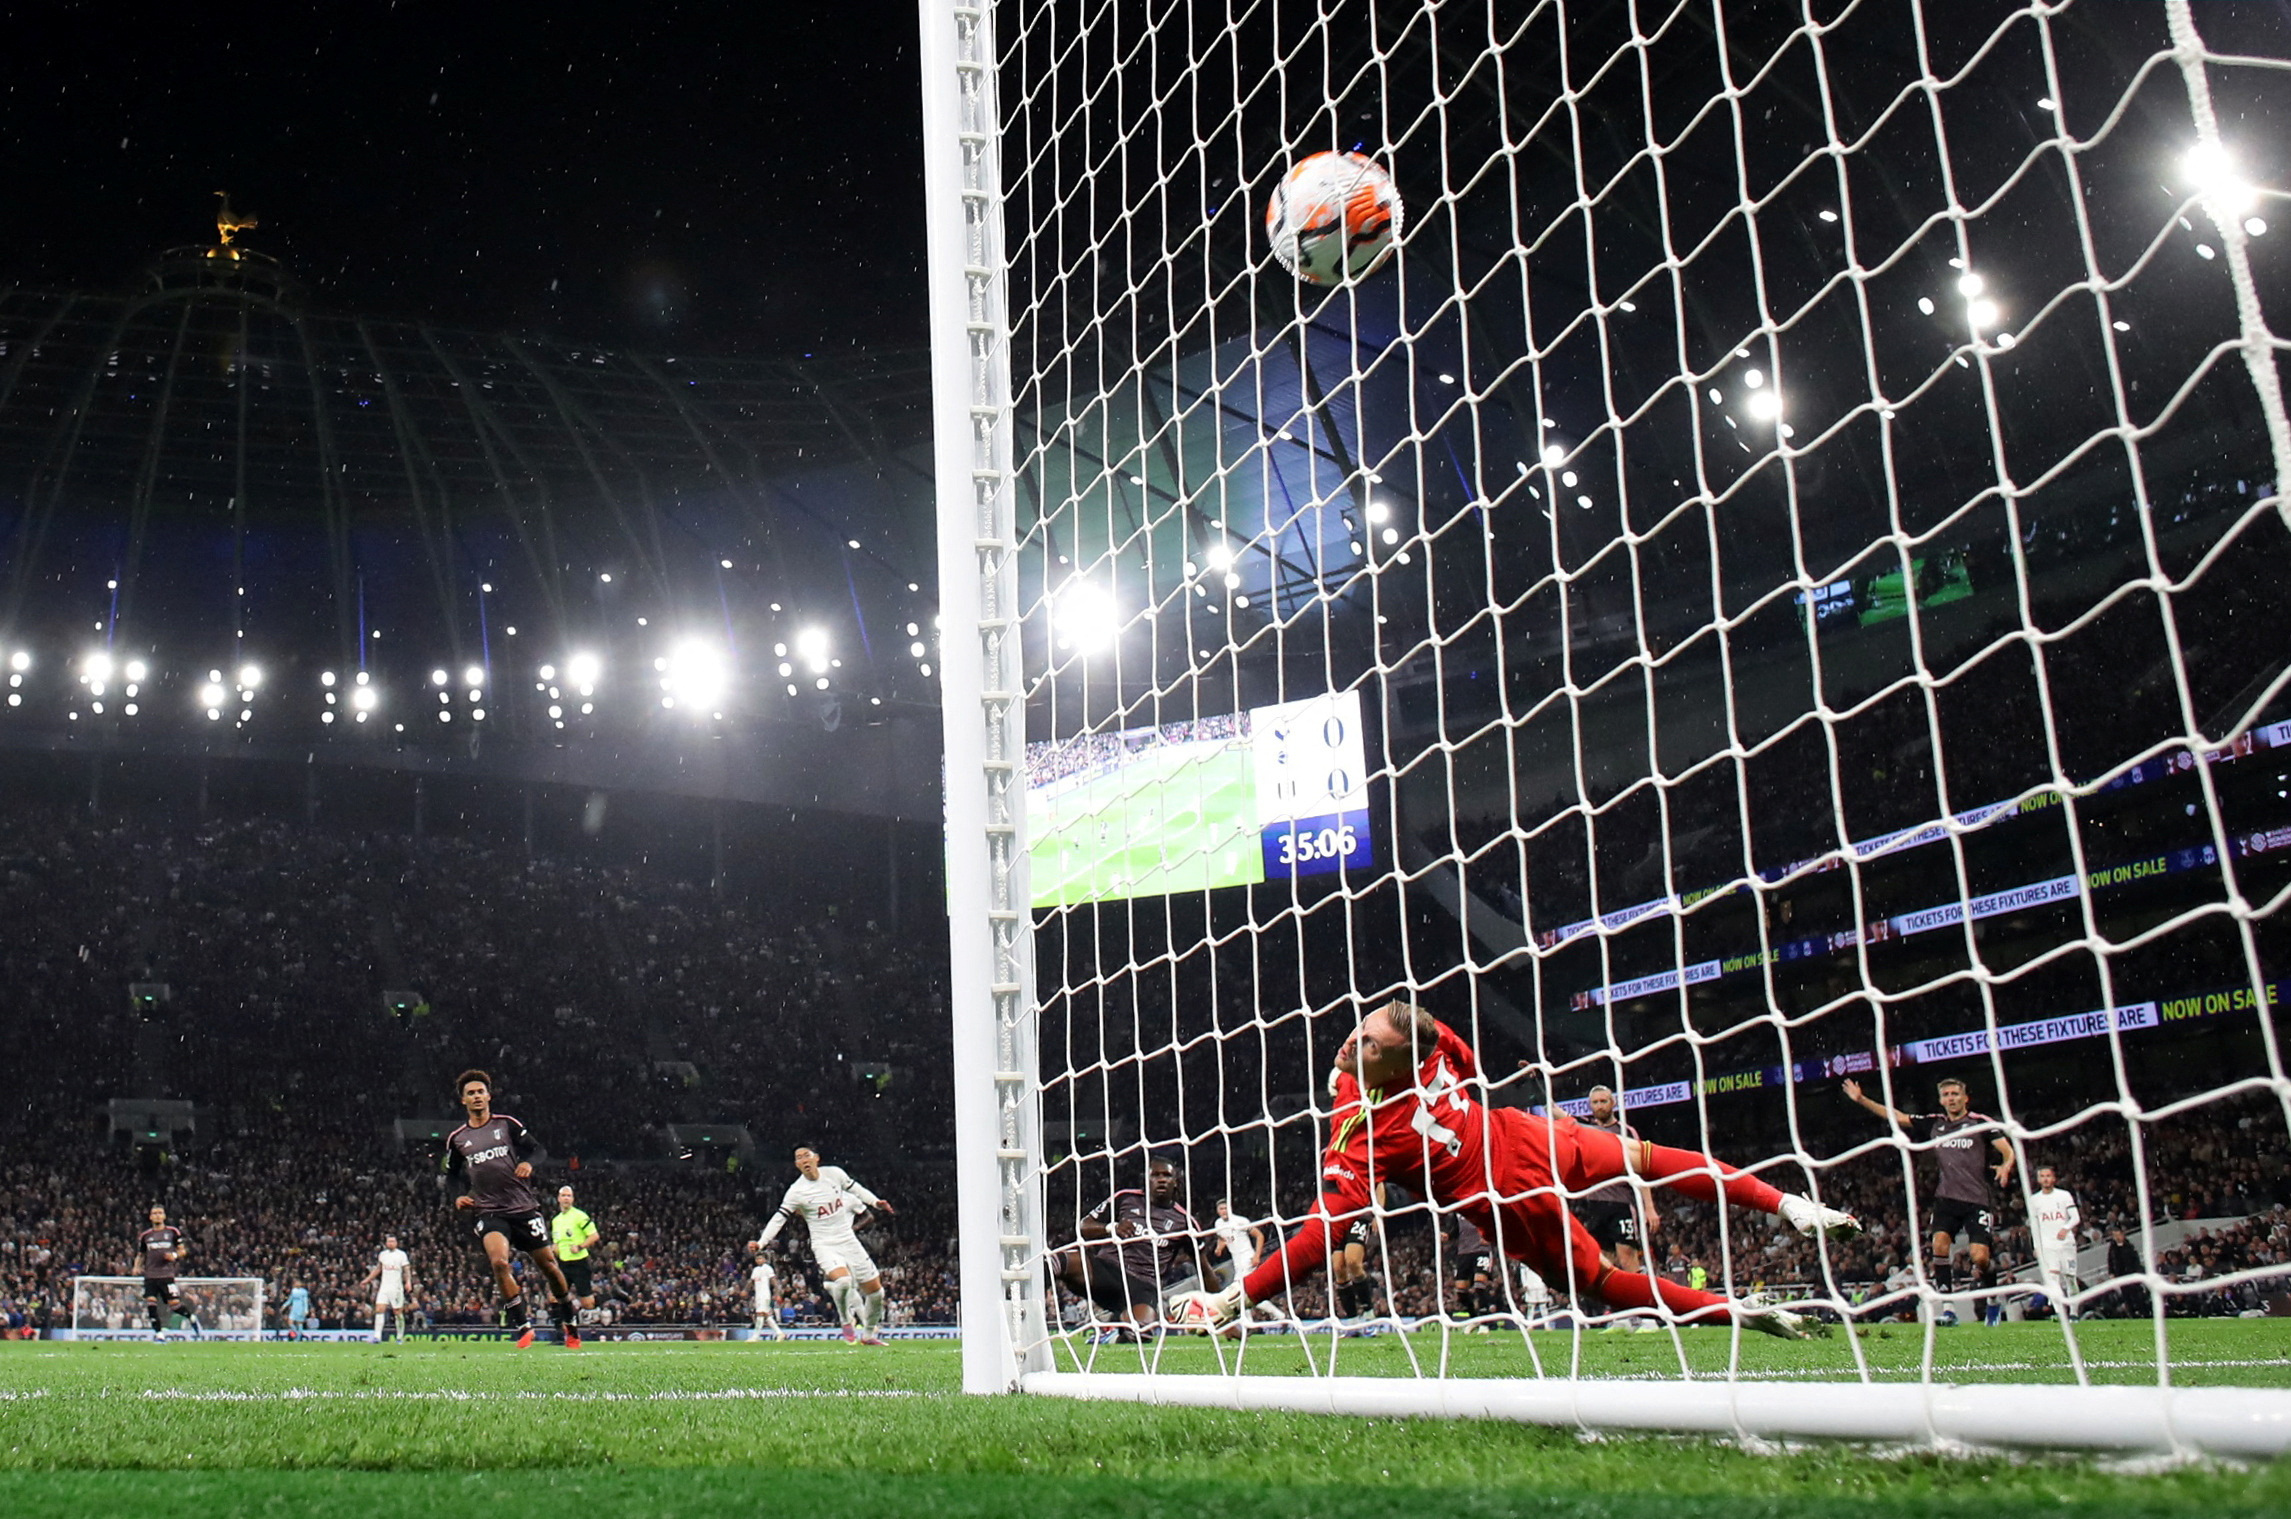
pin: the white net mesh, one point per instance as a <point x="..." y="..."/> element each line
<point x="218" y="1307"/>
<point x="1776" y="582"/>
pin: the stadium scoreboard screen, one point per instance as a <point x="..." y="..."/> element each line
<point x="1270" y="793"/>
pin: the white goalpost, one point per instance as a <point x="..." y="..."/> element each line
<point x="1762" y="614"/>
<point x="223" y="1307"/>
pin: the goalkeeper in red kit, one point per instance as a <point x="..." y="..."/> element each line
<point x="1424" y="1125"/>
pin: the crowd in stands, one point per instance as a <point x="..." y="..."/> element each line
<point x="321" y="983"/>
<point x="613" y="1001"/>
<point x="306" y="1201"/>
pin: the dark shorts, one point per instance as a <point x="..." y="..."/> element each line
<point x="1115" y="1290"/>
<point x="160" y="1287"/>
<point x="576" y="1275"/>
<point x="1361" y="1231"/>
<point x="1611" y="1224"/>
<point x="524" y="1231"/>
<point x="1480" y="1265"/>
<point x="1964" y="1223"/>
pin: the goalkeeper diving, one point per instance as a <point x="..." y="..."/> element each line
<point x="1422" y="1124"/>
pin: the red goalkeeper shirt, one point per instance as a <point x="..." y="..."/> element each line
<point x="1437" y="1139"/>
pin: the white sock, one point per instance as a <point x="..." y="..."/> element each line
<point x="840" y="1289"/>
<point x="870" y="1310"/>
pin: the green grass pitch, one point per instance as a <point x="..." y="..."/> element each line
<point x="1172" y="820"/>
<point x="823" y="1429"/>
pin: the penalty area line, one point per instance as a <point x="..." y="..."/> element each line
<point x="534" y="1395"/>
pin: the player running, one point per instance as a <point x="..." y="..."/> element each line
<point x="1961" y="1201"/>
<point x="393" y="1276"/>
<point x="489" y="1149"/>
<point x="767" y="1300"/>
<point x="163" y="1250"/>
<point x="1411" y="1111"/>
<point x="830" y="1202"/>
<point x="2053" y="1218"/>
<point x="573" y="1234"/>
<point x="1240" y="1240"/>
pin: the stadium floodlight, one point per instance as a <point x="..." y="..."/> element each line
<point x="698" y="674"/>
<point x="211" y="695"/>
<point x="2212" y="170"/>
<point x="365" y="699"/>
<point x="1553" y="453"/>
<point x="326" y="679"/>
<point x="1765" y="405"/>
<point x="20" y="661"/>
<point x="250" y="677"/>
<point x="812" y="647"/>
<point x="96" y="667"/>
<point x="1220" y="556"/>
<point x="548" y="672"/>
<point x="1086" y="617"/>
<point x="1982" y="313"/>
<point x="473" y="676"/>
<point x="440" y="678"/>
<point x="584" y="670"/>
<point x="137" y="669"/>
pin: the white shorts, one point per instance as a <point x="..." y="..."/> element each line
<point x="2057" y="1265"/>
<point x="851" y="1256"/>
<point x="390" y="1297"/>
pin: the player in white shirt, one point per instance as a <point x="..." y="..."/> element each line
<point x="1241" y="1240"/>
<point x="2052" y="1221"/>
<point x="392" y="1275"/>
<point x="1534" y="1295"/>
<point x="767" y="1301"/>
<point x="830" y="1202"/>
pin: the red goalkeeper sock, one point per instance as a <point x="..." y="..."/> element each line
<point x="1630" y="1289"/>
<point x="1688" y="1174"/>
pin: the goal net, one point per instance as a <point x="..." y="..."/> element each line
<point x="1762" y="616"/>
<point x="216" y="1307"/>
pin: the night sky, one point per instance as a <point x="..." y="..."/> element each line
<point x="728" y="178"/>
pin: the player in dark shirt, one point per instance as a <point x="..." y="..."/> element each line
<point x="163" y="1250"/>
<point x="1135" y="1246"/>
<point x="1616" y="1213"/>
<point x="1472" y="1262"/>
<point x="489" y="1150"/>
<point x="1961" y="1199"/>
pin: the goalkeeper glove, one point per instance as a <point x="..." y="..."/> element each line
<point x="1205" y="1311"/>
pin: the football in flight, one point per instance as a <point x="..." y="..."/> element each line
<point x="1333" y="217"/>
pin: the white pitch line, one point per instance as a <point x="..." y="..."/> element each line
<point x="454" y="1395"/>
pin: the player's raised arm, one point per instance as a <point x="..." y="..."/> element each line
<point x="1895" y="1116"/>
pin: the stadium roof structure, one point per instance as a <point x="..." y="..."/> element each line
<point x="203" y="475"/>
